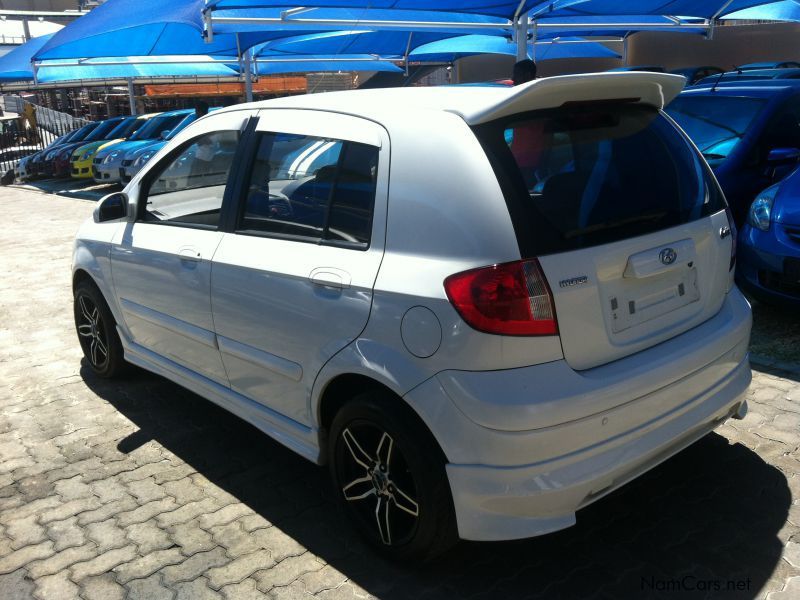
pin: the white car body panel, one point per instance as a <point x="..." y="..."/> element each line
<point x="533" y="428"/>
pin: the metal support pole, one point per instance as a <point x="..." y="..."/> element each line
<point x="26" y="30"/>
<point x="521" y="36"/>
<point x="35" y="70"/>
<point x="248" y="77"/>
<point x="132" y="96"/>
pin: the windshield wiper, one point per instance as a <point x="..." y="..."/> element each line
<point x="713" y="123"/>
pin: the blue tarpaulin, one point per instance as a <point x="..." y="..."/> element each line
<point x="788" y="10"/>
<point x="16" y="65"/>
<point x="468" y="45"/>
<point x="319" y="63"/>
<point x="144" y="67"/>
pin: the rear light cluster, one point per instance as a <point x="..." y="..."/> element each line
<point x="507" y="299"/>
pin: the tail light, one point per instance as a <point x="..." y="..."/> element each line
<point x="734" y="236"/>
<point x="507" y="299"/>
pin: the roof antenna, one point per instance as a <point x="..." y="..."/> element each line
<point x="716" y="82"/>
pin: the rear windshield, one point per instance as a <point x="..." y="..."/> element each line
<point x="716" y="124"/>
<point x="590" y="175"/>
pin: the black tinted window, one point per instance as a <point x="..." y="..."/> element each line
<point x="587" y="176"/>
<point x="311" y="187"/>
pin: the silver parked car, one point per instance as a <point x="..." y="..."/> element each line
<point x="483" y="308"/>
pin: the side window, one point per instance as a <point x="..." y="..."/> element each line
<point x="783" y="131"/>
<point x="188" y="188"/>
<point x="315" y="188"/>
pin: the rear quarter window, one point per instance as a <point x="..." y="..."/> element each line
<point x="590" y="175"/>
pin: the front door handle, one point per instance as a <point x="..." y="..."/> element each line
<point x="330" y="277"/>
<point x="189" y="253"/>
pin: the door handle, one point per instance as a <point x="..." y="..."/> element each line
<point x="189" y="253"/>
<point x="330" y="277"/>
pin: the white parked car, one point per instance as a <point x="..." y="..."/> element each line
<point x="484" y="308"/>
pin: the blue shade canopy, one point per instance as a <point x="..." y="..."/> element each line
<point x="16" y="65"/>
<point x="468" y="45"/>
<point x="497" y="8"/>
<point x="144" y="67"/>
<point x="788" y="10"/>
<point x="325" y="63"/>
<point x="690" y="8"/>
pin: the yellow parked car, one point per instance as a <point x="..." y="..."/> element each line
<point x="108" y="133"/>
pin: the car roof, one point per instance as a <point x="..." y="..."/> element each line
<point x="754" y="89"/>
<point x="481" y="104"/>
<point x="767" y="64"/>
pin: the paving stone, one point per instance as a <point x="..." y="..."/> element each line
<point x="106" y="511"/>
<point x="239" y="569"/>
<point x="146" y="565"/>
<point x="324" y="579"/>
<point x="23" y="556"/>
<point x="184" y="491"/>
<point x="186" y="512"/>
<point x="102" y="587"/>
<point x="148" y="537"/>
<point x="104" y="562"/>
<point x="69" y="509"/>
<point x="146" y="512"/>
<point x="791" y="591"/>
<point x="280" y="544"/>
<point x="246" y="590"/>
<point x="194" y="566"/>
<point x="61" y="560"/>
<point x="191" y="537"/>
<point x="287" y="571"/>
<point x="196" y="590"/>
<point x="791" y="554"/>
<point x="235" y="539"/>
<point x="72" y="489"/>
<point x="146" y="490"/>
<point x="254" y="521"/>
<point x="109" y="490"/>
<point x="224" y="515"/>
<point x="16" y="586"/>
<point x="25" y="532"/>
<point x="66" y="533"/>
<point x="28" y="509"/>
<point x="149" y="589"/>
<point x="56" y="587"/>
<point x="107" y="535"/>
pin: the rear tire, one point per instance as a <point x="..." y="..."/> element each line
<point x="389" y="478"/>
<point x="97" y="332"/>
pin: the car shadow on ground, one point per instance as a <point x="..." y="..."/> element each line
<point x="83" y="189"/>
<point x="703" y="524"/>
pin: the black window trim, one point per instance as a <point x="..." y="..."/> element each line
<point x="227" y="198"/>
<point x="242" y="185"/>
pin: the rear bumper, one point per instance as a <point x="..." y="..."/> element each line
<point x="522" y="483"/>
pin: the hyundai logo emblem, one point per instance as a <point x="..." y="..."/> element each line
<point x="668" y="256"/>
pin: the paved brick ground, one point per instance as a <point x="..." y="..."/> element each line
<point x="140" y="489"/>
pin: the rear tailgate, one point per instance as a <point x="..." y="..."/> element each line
<point x="617" y="299"/>
<point x="625" y="217"/>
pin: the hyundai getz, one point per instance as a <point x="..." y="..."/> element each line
<point x="483" y="308"/>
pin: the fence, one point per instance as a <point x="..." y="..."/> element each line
<point x="18" y="136"/>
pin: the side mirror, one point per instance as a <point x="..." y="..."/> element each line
<point x="782" y="156"/>
<point x="165" y="134"/>
<point x="112" y="208"/>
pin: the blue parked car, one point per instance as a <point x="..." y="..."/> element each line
<point x="749" y="133"/>
<point x="769" y="245"/>
<point x="751" y="75"/>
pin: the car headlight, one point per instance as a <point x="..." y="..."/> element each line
<point x="143" y="159"/>
<point x="761" y="210"/>
<point x="110" y="158"/>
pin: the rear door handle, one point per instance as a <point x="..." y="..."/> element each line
<point x="330" y="277"/>
<point x="189" y="253"/>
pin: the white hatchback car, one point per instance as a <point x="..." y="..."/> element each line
<point x="484" y="308"/>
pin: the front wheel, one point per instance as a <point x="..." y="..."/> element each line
<point x="389" y="478"/>
<point x="97" y="332"/>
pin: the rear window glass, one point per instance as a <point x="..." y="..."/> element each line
<point x="585" y="176"/>
<point x="716" y="124"/>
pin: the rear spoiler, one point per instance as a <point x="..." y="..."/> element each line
<point x="653" y="89"/>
